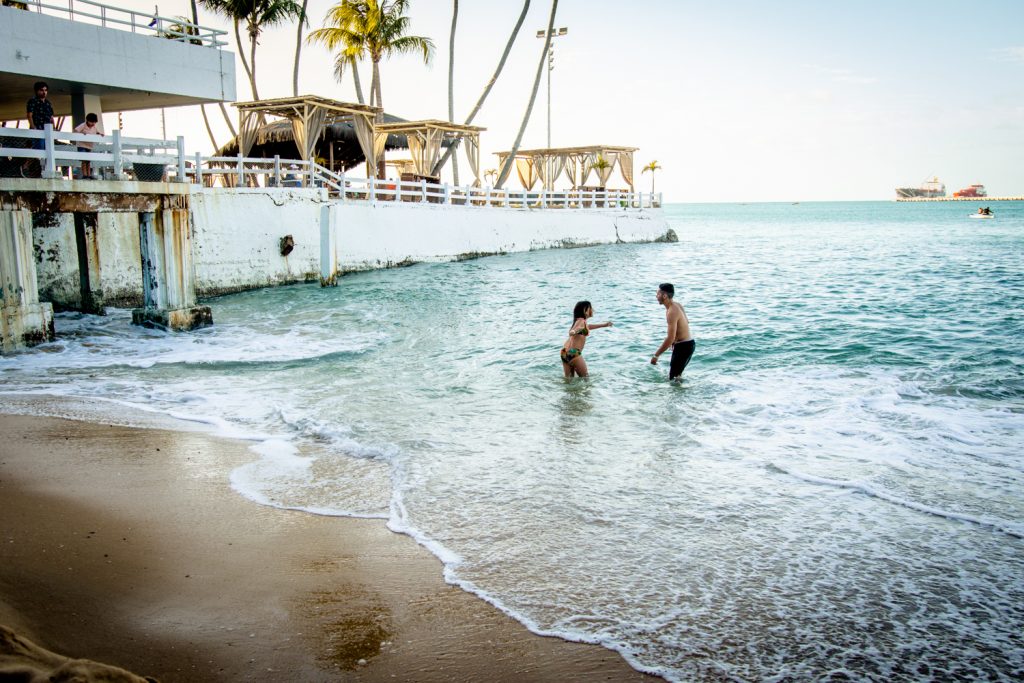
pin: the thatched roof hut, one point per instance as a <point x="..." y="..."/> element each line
<point x="338" y="139"/>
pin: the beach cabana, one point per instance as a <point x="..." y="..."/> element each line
<point x="337" y="148"/>
<point x="308" y="115"/>
<point x="548" y="164"/>
<point x="427" y="137"/>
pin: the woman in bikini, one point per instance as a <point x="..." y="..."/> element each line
<point x="572" y="350"/>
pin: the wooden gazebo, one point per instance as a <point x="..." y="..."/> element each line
<point x="427" y="137"/>
<point x="309" y="114"/>
<point x="548" y="164"/>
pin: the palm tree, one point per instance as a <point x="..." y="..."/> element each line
<point x="451" y="82"/>
<point x="345" y="16"/>
<point x="373" y="29"/>
<point x="490" y="174"/>
<point x="601" y="164"/>
<point x="303" y="22"/>
<point x="257" y="16"/>
<point x="487" y="89"/>
<point x="507" y="166"/>
<point x="652" y="167"/>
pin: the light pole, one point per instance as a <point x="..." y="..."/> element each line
<point x="555" y="33"/>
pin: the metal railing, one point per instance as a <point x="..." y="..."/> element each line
<point x="166" y="160"/>
<point x="109" y="16"/>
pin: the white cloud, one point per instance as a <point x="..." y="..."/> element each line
<point x="842" y="75"/>
<point x="1009" y="54"/>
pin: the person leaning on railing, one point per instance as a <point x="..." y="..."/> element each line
<point x="89" y="127"/>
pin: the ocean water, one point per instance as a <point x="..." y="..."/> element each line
<point x="834" y="492"/>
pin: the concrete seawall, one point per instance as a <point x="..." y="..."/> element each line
<point x="239" y="236"/>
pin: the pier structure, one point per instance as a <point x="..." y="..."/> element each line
<point x="165" y="246"/>
<point x="97" y="57"/>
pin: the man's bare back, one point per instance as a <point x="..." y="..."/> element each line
<point x="678" y="323"/>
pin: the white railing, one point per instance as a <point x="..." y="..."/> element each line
<point x="166" y="160"/>
<point x="99" y="14"/>
<point x="111" y="156"/>
<point x="376" y="190"/>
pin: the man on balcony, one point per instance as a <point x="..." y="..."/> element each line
<point x="39" y="111"/>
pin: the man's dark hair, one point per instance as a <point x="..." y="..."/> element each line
<point x="580" y="310"/>
<point x="92" y="118"/>
<point x="668" y="289"/>
<point x="40" y="84"/>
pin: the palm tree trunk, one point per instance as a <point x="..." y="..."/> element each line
<point x="298" y="49"/>
<point x="451" y="83"/>
<point x="209" y="130"/>
<point x="241" y="52"/>
<point x="507" y="166"/>
<point x="375" y="89"/>
<point x="227" y="119"/>
<point x="490" y="84"/>
<point x="252" y="61"/>
<point x="202" y="107"/>
<point x="359" y="85"/>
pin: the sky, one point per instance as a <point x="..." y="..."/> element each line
<point x="736" y="100"/>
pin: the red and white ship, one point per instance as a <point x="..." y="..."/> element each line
<point x="972" y="191"/>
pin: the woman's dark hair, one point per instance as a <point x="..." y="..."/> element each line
<point x="580" y="311"/>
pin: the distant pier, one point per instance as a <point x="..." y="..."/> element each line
<point x="1018" y="198"/>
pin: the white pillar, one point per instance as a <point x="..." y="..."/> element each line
<point x="328" y="249"/>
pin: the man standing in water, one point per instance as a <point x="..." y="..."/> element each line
<point x="678" y="336"/>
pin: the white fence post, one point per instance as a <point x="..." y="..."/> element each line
<point x="118" y="159"/>
<point x="343" y="187"/>
<point x="277" y="170"/>
<point x="423" y="189"/>
<point x="544" y="198"/>
<point x="181" y="160"/>
<point x="373" y="189"/>
<point x="50" y="170"/>
<point x="241" y="171"/>
<point x="487" y="197"/>
<point x="199" y="168"/>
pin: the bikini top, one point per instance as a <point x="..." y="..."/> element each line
<point x="582" y="332"/>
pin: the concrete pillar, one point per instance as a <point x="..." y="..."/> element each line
<point x="168" y="275"/>
<point x="82" y="104"/>
<point x="23" y="320"/>
<point x="328" y="249"/>
<point x="88" y="263"/>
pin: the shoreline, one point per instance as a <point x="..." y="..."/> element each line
<point x="126" y="545"/>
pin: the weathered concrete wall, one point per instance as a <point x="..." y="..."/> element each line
<point x="396" y="234"/>
<point x="237" y="237"/>
<point x="237" y="234"/>
<point x="24" y="321"/>
<point x="120" y="273"/>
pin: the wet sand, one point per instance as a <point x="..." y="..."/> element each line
<point x="127" y="546"/>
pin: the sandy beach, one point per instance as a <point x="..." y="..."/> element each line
<point x="127" y="546"/>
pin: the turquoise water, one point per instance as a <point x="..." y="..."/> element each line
<point x="835" y="490"/>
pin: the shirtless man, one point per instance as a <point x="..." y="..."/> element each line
<point x="678" y="337"/>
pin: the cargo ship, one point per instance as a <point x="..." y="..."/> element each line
<point x="972" y="191"/>
<point x="929" y="189"/>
